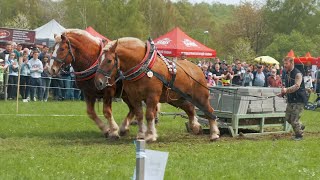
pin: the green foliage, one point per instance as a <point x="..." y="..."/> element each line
<point x="20" y="21"/>
<point x="299" y="43"/>
<point x="284" y="16"/>
<point x="242" y="50"/>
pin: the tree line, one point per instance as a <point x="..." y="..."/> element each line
<point x="243" y="31"/>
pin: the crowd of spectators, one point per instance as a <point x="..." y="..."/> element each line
<point x="240" y="73"/>
<point x="36" y="83"/>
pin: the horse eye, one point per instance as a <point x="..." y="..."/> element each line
<point x="61" y="49"/>
<point x="109" y="61"/>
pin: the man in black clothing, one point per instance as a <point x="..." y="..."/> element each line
<point x="237" y="78"/>
<point x="296" y="97"/>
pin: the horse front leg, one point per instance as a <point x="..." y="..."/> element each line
<point x="124" y="129"/>
<point x="138" y="111"/>
<point x="92" y="114"/>
<point x="107" y="112"/>
<point x="151" y="111"/>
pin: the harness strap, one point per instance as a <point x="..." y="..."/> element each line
<point x="91" y="71"/>
<point x="185" y="96"/>
<point x="86" y="78"/>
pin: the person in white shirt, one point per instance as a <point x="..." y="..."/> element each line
<point x="308" y="81"/>
<point x="35" y="72"/>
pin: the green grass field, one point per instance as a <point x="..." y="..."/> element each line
<point x="52" y="147"/>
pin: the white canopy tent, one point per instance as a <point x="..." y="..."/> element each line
<point x="45" y="33"/>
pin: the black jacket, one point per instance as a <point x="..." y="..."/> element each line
<point x="300" y="95"/>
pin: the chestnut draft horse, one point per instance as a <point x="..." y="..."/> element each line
<point x="82" y="50"/>
<point x="150" y="77"/>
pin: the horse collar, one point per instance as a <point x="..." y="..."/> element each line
<point x="140" y="70"/>
<point x="91" y="71"/>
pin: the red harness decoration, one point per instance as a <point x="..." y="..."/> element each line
<point x="139" y="66"/>
<point x="81" y="76"/>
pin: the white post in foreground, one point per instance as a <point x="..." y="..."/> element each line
<point x="140" y="159"/>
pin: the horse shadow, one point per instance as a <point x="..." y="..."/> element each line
<point x="86" y="137"/>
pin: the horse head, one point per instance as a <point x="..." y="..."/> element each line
<point x="63" y="53"/>
<point x="120" y="55"/>
<point x="108" y="64"/>
<point x="72" y="45"/>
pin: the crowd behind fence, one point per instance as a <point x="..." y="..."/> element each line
<point x="58" y="89"/>
<point x="25" y="73"/>
<point x="239" y="73"/>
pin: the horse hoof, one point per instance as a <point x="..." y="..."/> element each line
<point x="196" y="130"/>
<point x="140" y="136"/>
<point x="151" y="138"/>
<point x="106" y="134"/>
<point x="214" y="138"/>
<point x="134" y="122"/>
<point x="156" y="120"/>
<point x="115" y="137"/>
<point x="124" y="132"/>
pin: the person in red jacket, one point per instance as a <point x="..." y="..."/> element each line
<point x="274" y="80"/>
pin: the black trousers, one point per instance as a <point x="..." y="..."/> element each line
<point x="25" y="86"/>
<point x="36" y="84"/>
<point x="12" y="86"/>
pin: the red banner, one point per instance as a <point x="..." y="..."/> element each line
<point x="17" y="35"/>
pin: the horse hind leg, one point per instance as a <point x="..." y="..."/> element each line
<point x="214" y="130"/>
<point x="107" y="112"/>
<point x="92" y="114"/>
<point x="194" y="125"/>
<point x="213" y="124"/>
<point x="157" y="113"/>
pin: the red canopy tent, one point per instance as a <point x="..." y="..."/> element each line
<point x="316" y="61"/>
<point x="306" y="60"/>
<point x="291" y="54"/>
<point x="176" y="42"/>
<point x="96" y="34"/>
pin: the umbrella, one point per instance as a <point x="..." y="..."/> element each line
<point x="266" y="59"/>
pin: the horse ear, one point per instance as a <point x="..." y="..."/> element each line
<point x="63" y="37"/>
<point x="114" y="47"/>
<point x="54" y="35"/>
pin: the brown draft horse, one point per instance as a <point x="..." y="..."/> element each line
<point x="82" y="50"/>
<point x="127" y="56"/>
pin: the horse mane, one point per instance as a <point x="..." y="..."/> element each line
<point x="78" y="32"/>
<point x="126" y="42"/>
